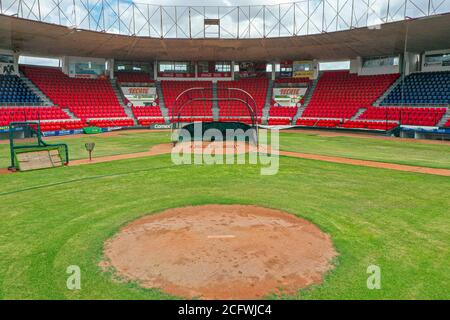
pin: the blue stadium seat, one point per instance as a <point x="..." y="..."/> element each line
<point x="421" y="88"/>
<point x="14" y="91"/>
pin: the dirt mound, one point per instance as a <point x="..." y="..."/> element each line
<point x="221" y="252"/>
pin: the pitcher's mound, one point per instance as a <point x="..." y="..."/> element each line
<point x="221" y="252"/>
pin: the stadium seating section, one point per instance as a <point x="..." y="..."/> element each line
<point x="56" y="125"/>
<point x="133" y="77"/>
<point x="11" y="114"/>
<point x="257" y="88"/>
<point x="371" y="125"/>
<point x="405" y="115"/>
<point x="148" y="115"/>
<point x="281" y="115"/>
<point x="282" y="111"/>
<point x="336" y="100"/>
<point x="171" y="90"/>
<point x="421" y="88"/>
<point x="340" y="94"/>
<point x="14" y="91"/>
<point x="86" y="98"/>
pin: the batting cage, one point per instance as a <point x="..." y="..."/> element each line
<point x="205" y="114"/>
<point x="29" y="151"/>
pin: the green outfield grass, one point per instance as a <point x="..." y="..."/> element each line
<point x="393" y="151"/>
<point x="400" y="221"/>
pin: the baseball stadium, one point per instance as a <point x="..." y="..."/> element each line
<point x="224" y="150"/>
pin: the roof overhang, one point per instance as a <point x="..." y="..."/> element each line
<point x="39" y="38"/>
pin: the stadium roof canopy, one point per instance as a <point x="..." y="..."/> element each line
<point x="41" y="38"/>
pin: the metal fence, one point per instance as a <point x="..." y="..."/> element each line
<point x="227" y="22"/>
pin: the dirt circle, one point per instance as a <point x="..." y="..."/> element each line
<point x="219" y="147"/>
<point x="221" y="252"/>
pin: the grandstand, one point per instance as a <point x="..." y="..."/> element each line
<point x="133" y="77"/>
<point x="375" y="93"/>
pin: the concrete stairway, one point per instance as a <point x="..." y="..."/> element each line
<point x="386" y="93"/>
<point x="215" y="104"/>
<point x="162" y="104"/>
<point x="308" y="97"/>
<point x="267" y="105"/>
<point x="69" y="113"/>
<point x="118" y="92"/>
<point x="45" y="100"/>
<point x="444" y="118"/>
<point x="121" y="98"/>
<point x="358" y="113"/>
<point x="298" y="114"/>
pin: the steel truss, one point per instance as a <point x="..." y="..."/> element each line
<point x="236" y="22"/>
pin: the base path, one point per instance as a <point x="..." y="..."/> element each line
<point x="167" y="148"/>
<point x="367" y="163"/>
<point x="221" y="252"/>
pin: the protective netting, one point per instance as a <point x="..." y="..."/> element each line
<point x="26" y="137"/>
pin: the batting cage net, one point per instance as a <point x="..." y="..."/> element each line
<point x="29" y="151"/>
<point x="230" y="111"/>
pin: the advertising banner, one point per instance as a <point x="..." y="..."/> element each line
<point x="288" y="97"/>
<point x="7" y="64"/>
<point x="251" y="69"/>
<point x="214" y="75"/>
<point x="140" y="96"/>
<point x="286" y="69"/>
<point x="303" y="69"/>
<point x="176" y="74"/>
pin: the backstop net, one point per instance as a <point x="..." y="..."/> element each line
<point x="28" y="151"/>
<point x="206" y="114"/>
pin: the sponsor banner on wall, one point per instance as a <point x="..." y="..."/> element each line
<point x="160" y="126"/>
<point x="440" y="60"/>
<point x="176" y="75"/>
<point x="249" y="69"/>
<point x="303" y="69"/>
<point x="286" y="69"/>
<point x="288" y="96"/>
<point x="140" y="96"/>
<point x="83" y="76"/>
<point x="214" y="75"/>
<point x="7" y="64"/>
<point x="7" y="68"/>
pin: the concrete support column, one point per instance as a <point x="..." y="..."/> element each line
<point x="65" y="64"/>
<point x="273" y="71"/>
<point x="155" y="69"/>
<point x="110" y="70"/>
